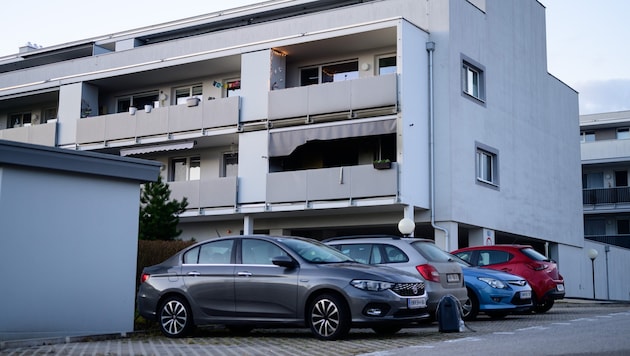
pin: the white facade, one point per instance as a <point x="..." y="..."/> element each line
<point x="298" y="98"/>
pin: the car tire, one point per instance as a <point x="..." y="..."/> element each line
<point x="470" y="309"/>
<point x="175" y="317"/>
<point x="386" y="330"/>
<point x="328" y="317"/>
<point x="543" y="306"/>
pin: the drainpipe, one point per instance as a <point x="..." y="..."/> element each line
<point x="430" y="48"/>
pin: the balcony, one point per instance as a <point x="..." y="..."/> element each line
<point x="344" y="96"/>
<point x="207" y="193"/>
<point x="606" y="196"/>
<point x="615" y="240"/>
<point x="337" y="183"/>
<point x="43" y="134"/>
<point x="608" y="150"/>
<point x="164" y="121"/>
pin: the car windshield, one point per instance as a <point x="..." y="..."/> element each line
<point x="315" y="252"/>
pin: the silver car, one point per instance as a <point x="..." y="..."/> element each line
<point x="422" y="257"/>
<point x="244" y="282"/>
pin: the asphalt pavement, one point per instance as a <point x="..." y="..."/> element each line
<point x="295" y="342"/>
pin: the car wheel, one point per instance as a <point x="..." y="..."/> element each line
<point x="386" y="330"/>
<point x="470" y="309"/>
<point x="328" y="317"/>
<point x="175" y="317"/>
<point x="543" y="306"/>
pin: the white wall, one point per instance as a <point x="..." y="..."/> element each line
<point x="253" y="166"/>
<point x="529" y="117"/>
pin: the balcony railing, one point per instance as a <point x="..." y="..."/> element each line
<point x="616" y="240"/>
<point x="43" y="134"/>
<point x="349" y="95"/>
<point x="159" y="121"/>
<point x="606" y="195"/>
<point x="207" y="193"/>
<point x="336" y="183"/>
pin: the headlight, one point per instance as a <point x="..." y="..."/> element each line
<point x="494" y="283"/>
<point x="374" y="286"/>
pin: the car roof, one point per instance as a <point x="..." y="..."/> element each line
<point x="493" y="247"/>
<point x="373" y="238"/>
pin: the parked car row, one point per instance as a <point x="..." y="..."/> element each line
<point x="381" y="282"/>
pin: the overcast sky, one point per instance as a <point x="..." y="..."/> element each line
<point x="587" y="40"/>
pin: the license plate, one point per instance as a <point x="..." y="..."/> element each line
<point x="560" y="287"/>
<point x="452" y="277"/>
<point x="526" y="295"/>
<point x="415" y="303"/>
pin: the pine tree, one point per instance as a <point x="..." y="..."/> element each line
<point x="158" y="214"/>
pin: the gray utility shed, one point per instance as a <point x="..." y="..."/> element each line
<point x="68" y="241"/>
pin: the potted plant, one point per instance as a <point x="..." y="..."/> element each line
<point x="382" y="164"/>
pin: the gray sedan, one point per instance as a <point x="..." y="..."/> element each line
<point x="244" y="282"/>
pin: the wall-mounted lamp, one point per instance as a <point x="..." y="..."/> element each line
<point x="365" y="66"/>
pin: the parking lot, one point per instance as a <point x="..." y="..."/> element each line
<point x="217" y="341"/>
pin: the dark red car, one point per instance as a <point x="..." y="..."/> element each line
<point x="539" y="271"/>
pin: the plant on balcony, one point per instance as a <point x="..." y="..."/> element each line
<point x="382" y="164"/>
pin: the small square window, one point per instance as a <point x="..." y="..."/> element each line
<point x="473" y="80"/>
<point x="386" y="65"/>
<point x="487" y="165"/>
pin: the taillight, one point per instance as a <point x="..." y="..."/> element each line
<point x="429" y="273"/>
<point x="537" y="266"/>
<point x="144" y="277"/>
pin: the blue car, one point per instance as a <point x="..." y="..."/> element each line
<point x="494" y="293"/>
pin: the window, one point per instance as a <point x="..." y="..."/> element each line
<point x="260" y="252"/>
<point x="473" y="81"/>
<point x="183" y="93"/>
<point x="219" y="252"/>
<point x="623" y="134"/>
<point x="621" y="178"/>
<point x="19" y="120"/>
<point x="184" y="169"/>
<point x="328" y="73"/>
<point x="493" y="257"/>
<point x="137" y="100"/>
<point x="386" y="64"/>
<point x="623" y="226"/>
<point x="49" y="114"/>
<point x="587" y="136"/>
<point x="233" y="88"/>
<point x="230" y="165"/>
<point x="487" y="165"/>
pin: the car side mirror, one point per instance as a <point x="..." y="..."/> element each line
<point x="284" y="261"/>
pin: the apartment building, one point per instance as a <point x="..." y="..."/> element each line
<point x="605" y="145"/>
<point x="325" y="118"/>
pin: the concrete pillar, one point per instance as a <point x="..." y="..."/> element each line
<point x="248" y="225"/>
<point x="447" y="243"/>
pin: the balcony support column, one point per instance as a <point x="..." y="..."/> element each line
<point x="248" y="225"/>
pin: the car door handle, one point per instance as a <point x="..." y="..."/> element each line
<point x="244" y="274"/>
<point x="194" y="274"/>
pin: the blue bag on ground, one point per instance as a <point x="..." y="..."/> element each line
<point x="449" y="315"/>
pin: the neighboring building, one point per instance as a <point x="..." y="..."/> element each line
<point x="268" y="119"/>
<point x="69" y="241"/>
<point x="605" y="145"/>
